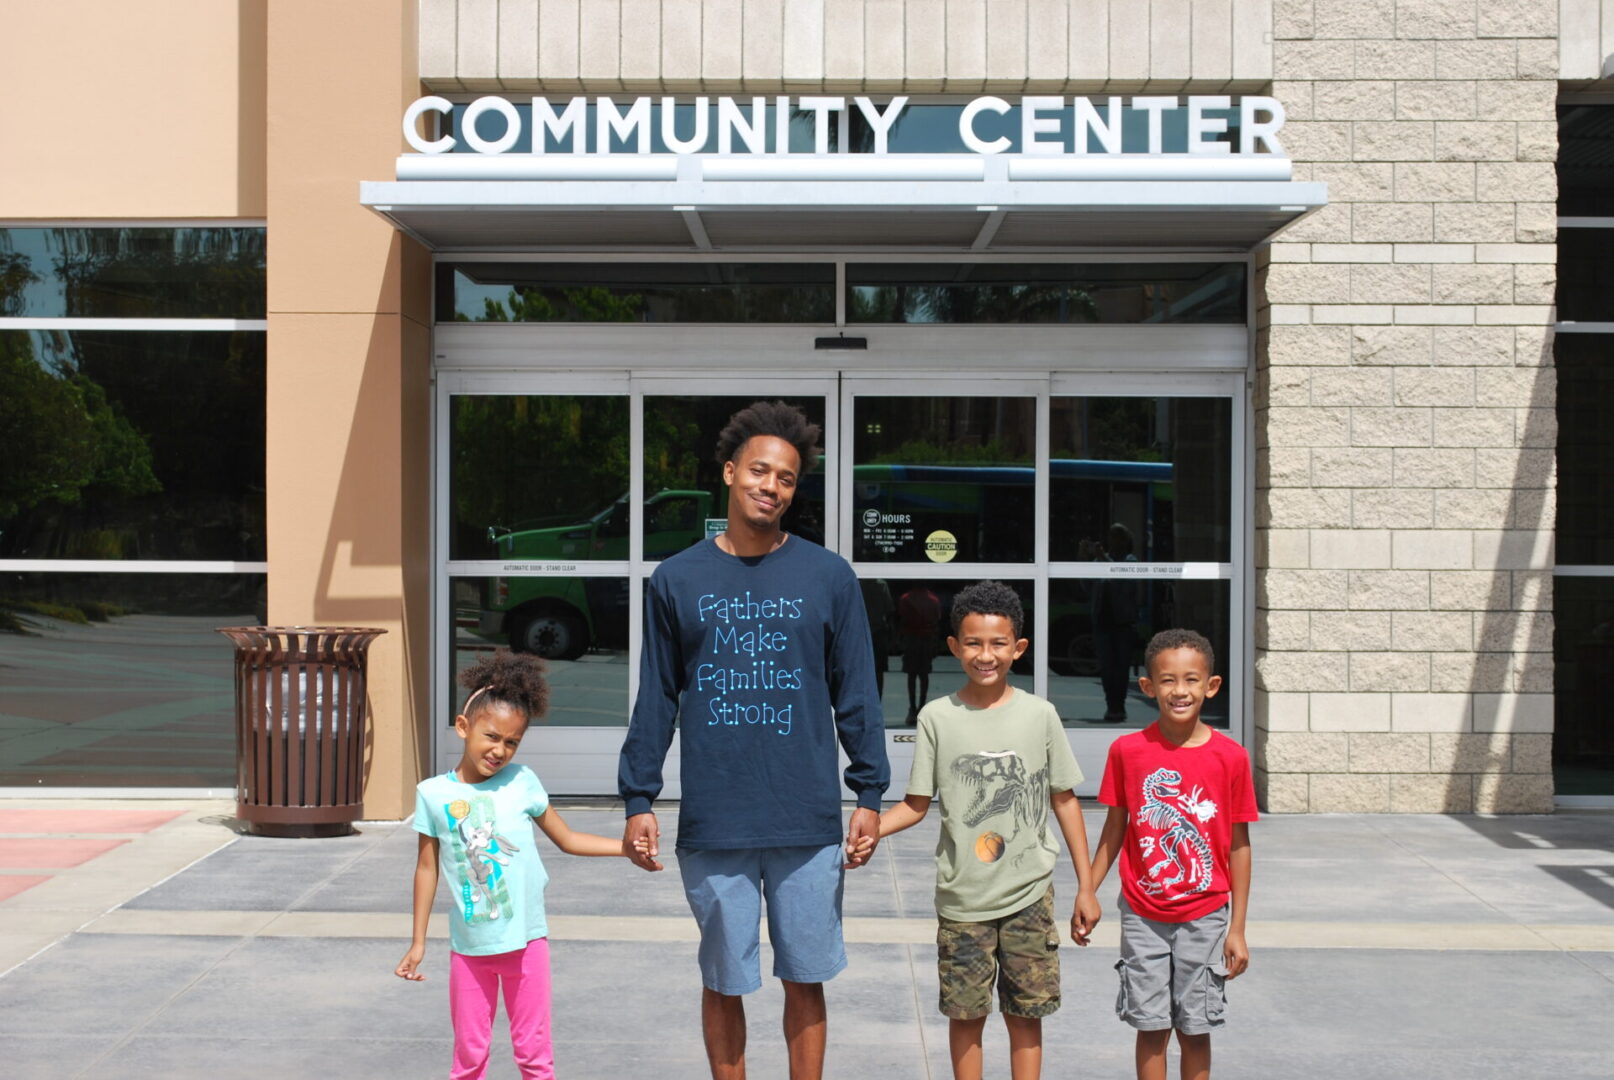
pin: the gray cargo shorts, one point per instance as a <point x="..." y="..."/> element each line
<point x="1172" y="975"/>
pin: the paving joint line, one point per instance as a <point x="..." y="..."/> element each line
<point x="1504" y="915"/>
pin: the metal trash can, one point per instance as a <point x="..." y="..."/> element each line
<point x="299" y="727"/>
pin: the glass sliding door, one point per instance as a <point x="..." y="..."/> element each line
<point x="557" y="495"/>
<point x="1109" y="507"/>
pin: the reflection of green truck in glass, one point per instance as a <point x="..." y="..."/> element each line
<point x="561" y="617"/>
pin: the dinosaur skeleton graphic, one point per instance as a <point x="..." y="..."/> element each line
<point x="999" y="783"/>
<point x="1180" y="844"/>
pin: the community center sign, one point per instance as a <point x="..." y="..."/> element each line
<point x="1035" y="126"/>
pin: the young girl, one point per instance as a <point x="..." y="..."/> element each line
<point x="476" y="822"/>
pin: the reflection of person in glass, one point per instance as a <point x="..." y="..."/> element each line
<point x="756" y="644"/>
<point x="919" y="617"/>
<point x="1115" y="611"/>
<point x="880" y="607"/>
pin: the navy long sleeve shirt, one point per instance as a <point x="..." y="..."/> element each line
<point x="761" y="662"/>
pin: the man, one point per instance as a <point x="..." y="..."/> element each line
<point x="759" y="642"/>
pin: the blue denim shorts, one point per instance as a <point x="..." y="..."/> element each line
<point x="802" y="886"/>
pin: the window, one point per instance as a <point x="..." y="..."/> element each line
<point x="131" y="499"/>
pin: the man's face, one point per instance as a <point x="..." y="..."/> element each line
<point x="762" y="480"/>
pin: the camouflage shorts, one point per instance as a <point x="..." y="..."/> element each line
<point x="1020" y="952"/>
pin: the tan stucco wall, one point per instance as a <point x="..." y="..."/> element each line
<point x="147" y="110"/>
<point x="348" y="373"/>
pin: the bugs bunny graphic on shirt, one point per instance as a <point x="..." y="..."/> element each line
<point x="480" y="853"/>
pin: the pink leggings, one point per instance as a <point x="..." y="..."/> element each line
<point x="473" y="995"/>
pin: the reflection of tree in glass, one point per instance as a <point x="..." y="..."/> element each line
<point x="176" y="424"/>
<point x="944" y="431"/>
<point x="16" y="273"/>
<point x="1123" y="429"/>
<point x="589" y="304"/>
<point x="924" y="452"/>
<point x="728" y="292"/>
<point x="531" y="462"/>
<point x="672" y="457"/>
<point x="147" y="273"/>
<point x="973" y="302"/>
<point x="62" y="437"/>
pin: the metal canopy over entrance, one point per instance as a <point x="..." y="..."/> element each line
<point x="984" y="216"/>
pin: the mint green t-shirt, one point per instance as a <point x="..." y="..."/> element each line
<point x="993" y="770"/>
<point x="488" y="855"/>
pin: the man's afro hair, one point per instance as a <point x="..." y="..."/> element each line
<point x="774" y="418"/>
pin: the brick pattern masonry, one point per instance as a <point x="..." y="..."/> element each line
<point x="1405" y="413"/>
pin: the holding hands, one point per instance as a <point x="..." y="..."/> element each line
<point x="1085" y="917"/>
<point x="862" y="836"/>
<point x="641" y="841"/>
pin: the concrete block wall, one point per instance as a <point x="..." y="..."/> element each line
<point x="1405" y="412"/>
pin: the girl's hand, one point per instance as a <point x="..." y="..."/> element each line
<point x="408" y="967"/>
<point x="858" y="851"/>
<point x="641" y="851"/>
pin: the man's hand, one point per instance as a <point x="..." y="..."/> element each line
<point x="1235" y="954"/>
<point x="1085" y="917"/>
<point x="862" y="837"/>
<point x="641" y="840"/>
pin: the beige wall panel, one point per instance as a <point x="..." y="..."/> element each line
<point x="722" y="40"/>
<point x="641" y="44"/>
<point x="958" y="46"/>
<point x="843" y="44"/>
<point x="1129" y="43"/>
<point x="681" y="44"/>
<point x="762" y="61"/>
<point x="925" y="44"/>
<point x="477" y="44"/>
<point x="1212" y="41"/>
<point x="557" y="44"/>
<point x="348" y="373"/>
<point x="966" y="44"/>
<point x="1047" y="44"/>
<point x="883" y="44"/>
<point x="1170" y="42"/>
<point x="439" y="43"/>
<point x="1089" y="45"/>
<point x="518" y="40"/>
<point x="804" y="44"/>
<point x="599" y="43"/>
<point x="165" y="109"/>
<point x="1252" y="41"/>
<point x="1580" y="55"/>
<point x="1006" y="45"/>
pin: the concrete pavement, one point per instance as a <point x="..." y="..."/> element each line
<point x="1381" y="947"/>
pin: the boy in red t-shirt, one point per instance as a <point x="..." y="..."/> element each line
<point x="1180" y="800"/>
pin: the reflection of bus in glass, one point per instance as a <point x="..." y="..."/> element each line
<point x="989" y="509"/>
<point x="988" y="512"/>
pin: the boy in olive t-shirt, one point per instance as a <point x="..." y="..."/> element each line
<point x="998" y="758"/>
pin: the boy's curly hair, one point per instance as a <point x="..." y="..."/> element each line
<point x="1179" y="639"/>
<point x="515" y="679"/>
<point x="988" y="598"/>
<point x="774" y="418"/>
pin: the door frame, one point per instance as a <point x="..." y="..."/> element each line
<point x="1049" y="361"/>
